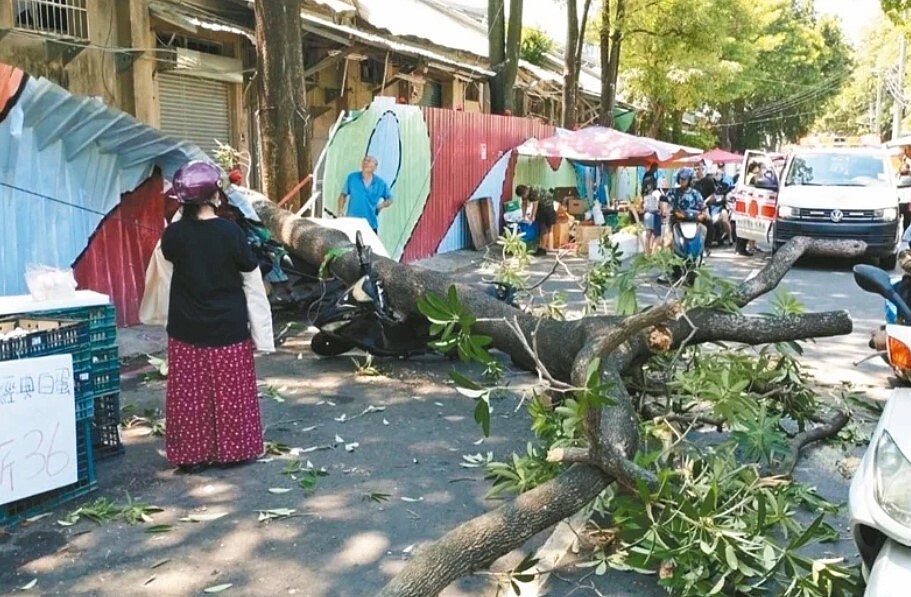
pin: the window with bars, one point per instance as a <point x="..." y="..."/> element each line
<point x="63" y="18"/>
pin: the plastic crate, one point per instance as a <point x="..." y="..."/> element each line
<point x="83" y="386"/>
<point x="15" y="512"/>
<point x="106" y="378"/>
<point x="99" y="317"/>
<point x="106" y="426"/>
<point x="105" y="356"/>
<point x="103" y="338"/>
<point x="44" y="337"/>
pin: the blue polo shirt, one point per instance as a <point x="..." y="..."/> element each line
<point x="363" y="199"/>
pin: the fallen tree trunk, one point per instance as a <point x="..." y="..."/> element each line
<point x="566" y="350"/>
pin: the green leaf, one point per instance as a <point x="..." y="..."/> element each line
<point x="482" y="416"/>
<point x="464" y="382"/>
<point x="218" y="588"/>
<point x="718" y="586"/>
<point x="730" y="555"/>
<point x="591" y="373"/>
<point x="160" y="528"/>
<point x="453" y="297"/>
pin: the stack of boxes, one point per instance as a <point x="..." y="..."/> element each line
<point x="90" y="335"/>
<point x="49" y="337"/>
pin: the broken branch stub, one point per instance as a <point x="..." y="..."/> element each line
<point x="565" y="350"/>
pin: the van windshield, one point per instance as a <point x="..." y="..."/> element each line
<point x="837" y="170"/>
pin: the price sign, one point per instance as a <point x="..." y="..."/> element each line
<point x="37" y="426"/>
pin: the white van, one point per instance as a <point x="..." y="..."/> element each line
<point x="825" y="192"/>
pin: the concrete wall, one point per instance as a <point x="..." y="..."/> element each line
<point x="94" y="72"/>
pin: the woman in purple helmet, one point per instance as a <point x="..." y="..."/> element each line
<point x="211" y="400"/>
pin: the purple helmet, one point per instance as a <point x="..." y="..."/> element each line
<point x="197" y="182"/>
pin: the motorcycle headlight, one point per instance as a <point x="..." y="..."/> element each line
<point x="890" y="214"/>
<point x="785" y="211"/>
<point x="893" y="480"/>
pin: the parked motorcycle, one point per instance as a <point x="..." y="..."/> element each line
<point x="894" y="338"/>
<point x="688" y="242"/>
<point x="879" y="502"/>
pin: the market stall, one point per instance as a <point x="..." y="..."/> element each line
<point x="59" y="399"/>
<point x="584" y="220"/>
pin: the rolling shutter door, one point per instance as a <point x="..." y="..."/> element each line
<point x="433" y="95"/>
<point x="195" y="109"/>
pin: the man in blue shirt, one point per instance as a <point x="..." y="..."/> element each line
<point x="365" y="194"/>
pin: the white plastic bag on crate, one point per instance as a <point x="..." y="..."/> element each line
<point x="46" y="283"/>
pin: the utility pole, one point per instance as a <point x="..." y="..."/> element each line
<point x="900" y="90"/>
<point x="878" y="118"/>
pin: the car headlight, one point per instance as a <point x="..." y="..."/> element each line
<point x="785" y="211"/>
<point x="893" y="480"/>
<point x="890" y="214"/>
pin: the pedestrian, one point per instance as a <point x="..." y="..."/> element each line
<point x="650" y="179"/>
<point x="365" y="194"/>
<point x="651" y="206"/>
<point x="211" y="401"/>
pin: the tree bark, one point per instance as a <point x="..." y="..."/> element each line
<point x="570" y="65"/>
<point x="496" y="44"/>
<point x="513" y="44"/>
<point x="611" y="40"/>
<point x="283" y="117"/>
<point x="566" y="349"/>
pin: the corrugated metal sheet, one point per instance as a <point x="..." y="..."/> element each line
<point x="115" y="261"/>
<point x="65" y="162"/>
<point x="464" y="147"/>
<point x="195" y="109"/>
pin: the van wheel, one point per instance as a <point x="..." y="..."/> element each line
<point x="741" y="245"/>
<point x="889" y="262"/>
<point x="326" y="346"/>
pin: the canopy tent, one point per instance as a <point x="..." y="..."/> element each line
<point x="716" y="155"/>
<point x="601" y="145"/>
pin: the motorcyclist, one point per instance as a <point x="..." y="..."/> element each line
<point x="684" y="199"/>
<point x="719" y="199"/>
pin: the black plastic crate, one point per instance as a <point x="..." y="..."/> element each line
<point x="106" y="426"/>
<point x="45" y="337"/>
<point x="13" y="513"/>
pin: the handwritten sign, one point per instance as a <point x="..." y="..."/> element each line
<point x="37" y="426"/>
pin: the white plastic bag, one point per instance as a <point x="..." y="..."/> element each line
<point x="154" y="307"/>
<point x="47" y="283"/>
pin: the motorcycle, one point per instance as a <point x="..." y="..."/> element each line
<point x="879" y="502"/>
<point x="688" y="242"/>
<point x="716" y="207"/>
<point x="360" y="316"/>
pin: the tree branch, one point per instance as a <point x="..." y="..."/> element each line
<point x="802" y="440"/>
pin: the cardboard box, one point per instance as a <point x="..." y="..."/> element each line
<point x="557" y="237"/>
<point x="584" y="234"/>
<point x="576" y="207"/>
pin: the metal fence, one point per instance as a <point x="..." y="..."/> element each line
<point x="64" y="18"/>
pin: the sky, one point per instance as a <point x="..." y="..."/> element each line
<point x="855" y="15"/>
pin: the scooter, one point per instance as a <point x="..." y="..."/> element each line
<point x="879" y="502"/>
<point x="688" y="242"/>
<point x="716" y="208"/>
<point x="891" y="338"/>
<point x="360" y="316"/>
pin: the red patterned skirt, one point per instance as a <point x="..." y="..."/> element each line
<point x="211" y="404"/>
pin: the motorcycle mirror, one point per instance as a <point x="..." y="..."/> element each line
<point x="872" y="279"/>
<point x="875" y="280"/>
<point x="904" y="182"/>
